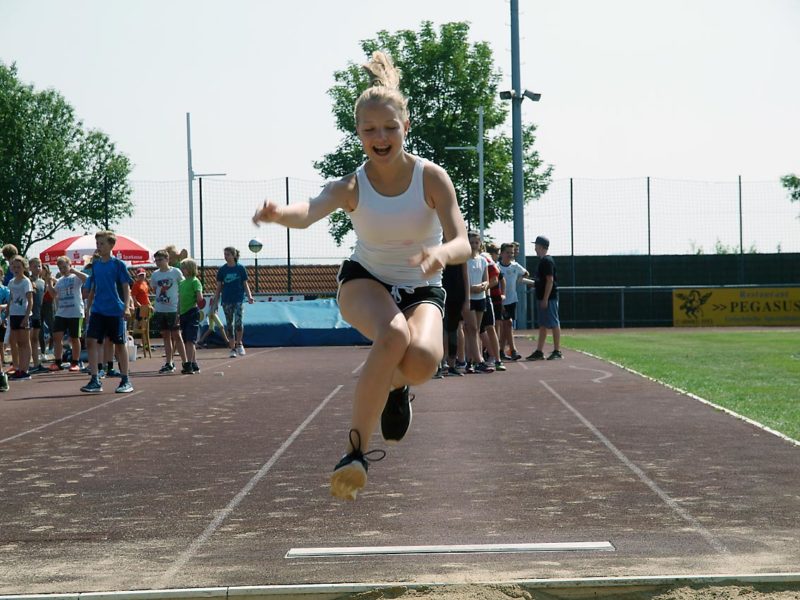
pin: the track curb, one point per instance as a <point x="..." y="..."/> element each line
<point x="588" y="586"/>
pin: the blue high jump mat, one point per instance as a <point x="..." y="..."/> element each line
<point x="297" y="323"/>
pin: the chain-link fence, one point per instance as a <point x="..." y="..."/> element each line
<point x="580" y="216"/>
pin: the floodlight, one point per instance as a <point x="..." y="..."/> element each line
<point x="531" y="95"/>
<point x="507" y="95"/>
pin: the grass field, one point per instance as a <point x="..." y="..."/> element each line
<point x="755" y="373"/>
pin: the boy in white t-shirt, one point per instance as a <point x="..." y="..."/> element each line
<point x="478" y="273"/>
<point x="164" y="282"/>
<point x="66" y="292"/>
<point x="513" y="272"/>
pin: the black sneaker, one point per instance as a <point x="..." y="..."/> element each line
<point x="555" y="355"/>
<point x="516" y="356"/>
<point x="350" y="473"/>
<point x="167" y="368"/>
<point x="536" y="355"/>
<point x="452" y="371"/>
<point x="187" y="369"/>
<point x="396" y="416"/>
<point x="195" y="367"/>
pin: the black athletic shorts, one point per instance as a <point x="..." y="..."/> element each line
<point x="429" y="294"/>
<point x="18" y="322"/>
<point x="452" y="315"/>
<point x="487" y="320"/>
<point x="71" y="325"/>
<point x="166" y="321"/>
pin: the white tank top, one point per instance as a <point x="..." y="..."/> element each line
<point x="392" y="229"/>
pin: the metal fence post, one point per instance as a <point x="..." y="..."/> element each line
<point x="202" y="249"/>
<point x="741" y="235"/>
<point x="572" y="247"/>
<point x="288" y="249"/>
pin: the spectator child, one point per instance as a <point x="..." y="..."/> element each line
<point x="66" y="292"/>
<point x="232" y="287"/>
<point x="190" y="292"/>
<point x="547" y="298"/>
<point x="140" y="292"/>
<point x="478" y="271"/>
<point x="37" y="348"/>
<point x="19" y="314"/>
<point x="4" y="296"/>
<point x="165" y="282"/>
<point x="494" y="297"/>
<point x="512" y="271"/>
<point x="107" y="318"/>
<point x="8" y="251"/>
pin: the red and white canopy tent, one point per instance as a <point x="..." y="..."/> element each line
<point x="77" y="247"/>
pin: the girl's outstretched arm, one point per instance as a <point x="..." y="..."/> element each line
<point x="299" y="215"/>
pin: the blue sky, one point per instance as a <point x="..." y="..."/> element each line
<point x="703" y="89"/>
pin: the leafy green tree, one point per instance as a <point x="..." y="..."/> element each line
<point x="445" y="79"/>
<point x="54" y="174"/>
<point x="792" y="184"/>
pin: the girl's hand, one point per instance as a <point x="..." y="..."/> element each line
<point x="429" y="260"/>
<point x="268" y="213"/>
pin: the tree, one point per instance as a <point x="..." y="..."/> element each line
<point x="792" y="184"/>
<point x="54" y="174"/>
<point x="445" y="80"/>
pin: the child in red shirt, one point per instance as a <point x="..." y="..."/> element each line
<point x="140" y="291"/>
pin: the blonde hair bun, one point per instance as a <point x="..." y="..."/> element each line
<point x="382" y="72"/>
<point x="384" y="85"/>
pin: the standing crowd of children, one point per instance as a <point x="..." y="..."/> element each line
<point x="481" y="307"/>
<point x="94" y="305"/>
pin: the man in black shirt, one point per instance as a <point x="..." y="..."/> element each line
<point x="547" y="299"/>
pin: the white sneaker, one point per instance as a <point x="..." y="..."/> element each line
<point x="232" y="354"/>
<point x="240" y="350"/>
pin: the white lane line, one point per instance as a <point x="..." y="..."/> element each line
<point x="68" y="417"/>
<point x="450" y="549"/>
<point x="522" y="364"/>
<point x="605" y="374"/>
<point x="358" y="368"/>
<point x="683" y="514"/>
<point x="189" y="553"/>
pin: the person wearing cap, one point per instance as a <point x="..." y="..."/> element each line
<point x="140" y="292"/>
<point x="547" y="298"/>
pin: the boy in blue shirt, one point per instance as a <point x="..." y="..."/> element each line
<point x="108" y="311"/>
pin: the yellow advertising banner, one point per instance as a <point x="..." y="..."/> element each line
<point x="720" y="307"/>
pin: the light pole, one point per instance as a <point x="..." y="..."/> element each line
<point x="192" y="176"/>
<point x="255" y="247"/>
<point x="479" y="149"/>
